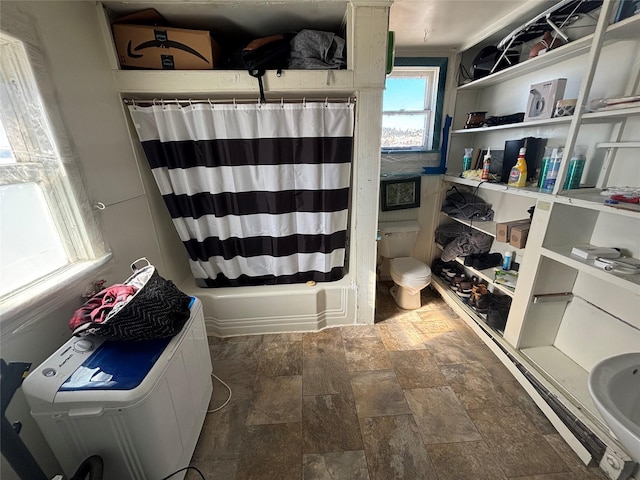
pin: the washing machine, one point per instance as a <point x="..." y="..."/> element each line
<point x="140" y="405"/>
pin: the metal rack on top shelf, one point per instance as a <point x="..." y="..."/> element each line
<point x="624" y="30"/>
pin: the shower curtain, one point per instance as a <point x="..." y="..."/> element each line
<point x="258" y="193"/>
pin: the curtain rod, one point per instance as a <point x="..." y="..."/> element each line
<point x="191" y="101"/>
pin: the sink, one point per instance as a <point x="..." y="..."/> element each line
<point x="614" y="385"/>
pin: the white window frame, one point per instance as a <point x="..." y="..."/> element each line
<point x="35" y="146"/>
<point x="431" y="74"/>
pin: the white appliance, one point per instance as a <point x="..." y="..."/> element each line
<point x="140" y="405"/>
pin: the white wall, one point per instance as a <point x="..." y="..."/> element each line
<point x="66" y="36"/>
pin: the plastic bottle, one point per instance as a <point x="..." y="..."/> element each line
<point x="544" y="166"/>
<point x="552" y="171"/>
<point x="485" y="165"/>
<point x="506" y="263"/>
<point x="576" y="167"/>
<point x="518" y="175"/>
<point x="466" y="160"/>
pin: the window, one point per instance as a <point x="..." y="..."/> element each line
<point x="42" y="231"/>
<point x="412" y="105"/>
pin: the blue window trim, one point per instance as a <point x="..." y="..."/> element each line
<point x="440" y="62"/>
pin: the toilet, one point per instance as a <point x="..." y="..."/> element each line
<point x="410" y="275"/>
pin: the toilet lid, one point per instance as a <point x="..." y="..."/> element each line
<point x="410" y="268"/>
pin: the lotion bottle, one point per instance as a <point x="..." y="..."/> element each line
<point x="485" y="166"/>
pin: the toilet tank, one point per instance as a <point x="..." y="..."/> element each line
<point x="397" y="238"/>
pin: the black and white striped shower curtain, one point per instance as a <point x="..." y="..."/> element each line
<point x="259" y="194"/>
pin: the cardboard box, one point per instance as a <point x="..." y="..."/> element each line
<point x="519" y="234"/>
<point x="543" y="97"/>
<point x="503" y="230"/>
<point x="157" y="47"/>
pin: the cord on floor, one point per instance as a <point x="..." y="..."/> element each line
<point x="182" y="470"/>
<point x="226" y="401"/>
<point x="208" y="411"/>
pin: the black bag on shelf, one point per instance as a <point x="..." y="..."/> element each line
<point x="267" y="53"/>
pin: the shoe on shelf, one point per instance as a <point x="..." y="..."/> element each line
<point x="487" y="260"/>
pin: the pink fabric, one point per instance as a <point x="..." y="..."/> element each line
<point x="98" y="307"/>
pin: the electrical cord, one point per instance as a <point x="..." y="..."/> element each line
<point x="208" y="411"/>
<point x="182" y="470"/>
<point x="228" y="398"/>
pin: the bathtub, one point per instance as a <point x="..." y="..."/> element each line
<point x="275" y="308"/>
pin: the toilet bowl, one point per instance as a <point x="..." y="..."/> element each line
<point x="410" y="277"/>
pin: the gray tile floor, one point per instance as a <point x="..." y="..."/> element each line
<point x="416" y="396"/>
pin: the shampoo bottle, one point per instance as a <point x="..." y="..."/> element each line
<point x="466" y="160"/>
<point x="552" y="171"/>
<point x="518" y="175"/>
<point x="485" y="166"/>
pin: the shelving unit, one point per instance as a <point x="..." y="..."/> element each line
<point x="630" y="282"/>
<point x="486" y="227"/>
<point x="488" y="275"/>
<point x="566" y="313"/>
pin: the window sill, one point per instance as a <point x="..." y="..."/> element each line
<point x="20" y="311"/>
<point x="395" y="152"/>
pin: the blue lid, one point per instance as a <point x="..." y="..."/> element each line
<point x="117" y="365"/>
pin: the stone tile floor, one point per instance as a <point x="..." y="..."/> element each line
<point x="416" y="396"/>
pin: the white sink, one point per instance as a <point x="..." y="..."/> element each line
<point x="614" y="385"/>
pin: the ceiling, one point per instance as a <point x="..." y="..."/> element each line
<point x="447" y="24"/>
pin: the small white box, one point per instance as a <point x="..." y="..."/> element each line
<point x="543" y="97"/>
<point x="589" y="252"/>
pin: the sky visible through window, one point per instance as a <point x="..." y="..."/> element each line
<point x="403" y="94"/>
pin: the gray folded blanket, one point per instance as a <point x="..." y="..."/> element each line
<point x="313" y="49"/>
<point x="467" y="243"/>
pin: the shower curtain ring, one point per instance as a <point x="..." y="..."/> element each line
<point x="326" y="102"/>
<point x="154" y="102"/>
<point x="235" y="105"/>
<point x="304" y="102"/>
<point x="281" y="102"/>
<point x="179" y="105"/>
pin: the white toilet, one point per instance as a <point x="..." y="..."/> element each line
<point x="409" y="274"/>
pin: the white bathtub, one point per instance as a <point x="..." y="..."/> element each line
<point x="275" y="308"/>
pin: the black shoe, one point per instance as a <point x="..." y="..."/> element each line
<point x="487" y="260"/>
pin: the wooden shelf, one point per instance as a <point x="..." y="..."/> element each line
<point x="231" y="82"/>
<point x="582" y="197"/>
<point x="563" y="255"/>
<point x="624" y="30"/>
<point x="488" y="228"/>
<point x="565" y="374"/>
<point x="608" y="115"/>
<point x="618" y="145"/>
<point x="590" y="117"/>
<point x="498" y="187"/>
<point x="530" y="124"/>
